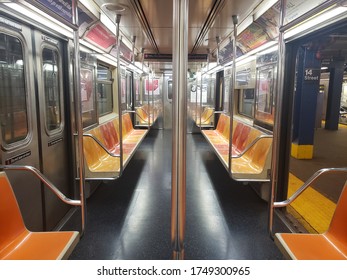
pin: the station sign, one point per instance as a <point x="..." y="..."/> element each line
<point x="311" y="75"/>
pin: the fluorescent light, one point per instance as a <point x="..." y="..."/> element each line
<point x="46" y="20"/>
<point x="266" y="48"/>
<point x="90" y="7"/>
<point x="211" y="65"/>
<point x="109" y="59"/>
<point x="262" y="8"/>
<point x="135" y="68"/>
<point x="245" y="60"/>
<point x="316" y="22"/>
<point x="215" y="69"/>
<point x="111" y="26"/>
<point x="269" y="50"/>
<point x="198" y="75"/>
<point x="90" y="46"/>
<point x="244" y="24"/>
<point x="324" y="68"/>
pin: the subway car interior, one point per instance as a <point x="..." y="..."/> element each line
<point x="175" y="129"/>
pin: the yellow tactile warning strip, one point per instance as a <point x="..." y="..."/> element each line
<point x="312" y="206"/>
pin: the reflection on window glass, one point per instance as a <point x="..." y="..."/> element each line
<point x="129" y="90"/>
<point x="169" y="90"/>
<point x="264" y="94"/>
<point x="104" y="88"/>
<point x="246" y="102"/>
<point x="226" y="94"/>
<point x="13" y="103"/>
<point x="88" y="96"/>
<point x="51" y="88"/>
<point x="265" y="90"/>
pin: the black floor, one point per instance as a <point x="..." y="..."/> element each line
<point x="130" y="218"/>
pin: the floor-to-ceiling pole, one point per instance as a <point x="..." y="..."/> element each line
<point x="179" y="126"/>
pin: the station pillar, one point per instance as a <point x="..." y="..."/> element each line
<point x="334" y="94"/>
<point x="305" y="103"/>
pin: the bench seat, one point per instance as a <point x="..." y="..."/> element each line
<point x="18" y="243"/>
<point x="104" y="157"/>
<point x="142" y="117"/>
<point x="146" y="115"/>
<point x="301" y="246"/>
<point x="250" y="149"/>
<point x="207" y="117"/>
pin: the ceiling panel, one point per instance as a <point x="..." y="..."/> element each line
<point x="223" y="25"/>
<point x="151" y="22"/>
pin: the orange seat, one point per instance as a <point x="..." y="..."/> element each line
<point x="331" y="245"/>
<point x="18" y="243"/>
<point x="110" y="137"/>
<point x="250" y="151"/>
<point x="255" y="162"/>
<point x="103" y="160"/>
<point x="206" y="117"/>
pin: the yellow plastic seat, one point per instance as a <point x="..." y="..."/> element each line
<point x="206" y="117"/>
<point x="251" y="153"/>
<point x="103" y="159"/>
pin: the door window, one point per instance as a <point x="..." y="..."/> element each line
<point x="13" y="101"/>
<point x="51" y="85"/>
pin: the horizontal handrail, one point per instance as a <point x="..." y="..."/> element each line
<point x="100" y="144"/>
<point x="209" y="117"/>
<point x="43" y="179"/>
<point x="312" y="179"/>
<point x="137" y="114"/>
<point x="218" y="112"/>
<point x="142" y="109"/>
<point x="251" y="145"/>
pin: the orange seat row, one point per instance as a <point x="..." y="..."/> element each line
<point x="146" y="115"/>
<point x="207" y="117"/>
<point x="250" y="149"/>
<point x="18" y="243"/>
<point x="102" y="147"/>
<point x="142" y="117"/>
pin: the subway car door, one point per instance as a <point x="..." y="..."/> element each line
<point x="18" y="122"/>
<point x="53" y="125"/>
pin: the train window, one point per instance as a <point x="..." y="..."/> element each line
<point x="52" y="91"/>
<point x="123" y="87"/>
<point x="13" y="102"/>
<point x="226" y="94"/>
<point x="104" y="88"/>
<point x="169" y="90"/>
<point x="246" y="102"/>
<point x="129" y="90"/>
<point x="265" y="98"/>
<point x="88" y="100"/>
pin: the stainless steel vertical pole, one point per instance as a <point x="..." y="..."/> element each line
<point x="133" y="50"/>
<point x="119" y="89"/>
<point x="231" y="92"/>
<point x="277" y="124"/>
<point x="152" y="122"/>
<point x="179" y="128"/>
<point x="78" y="113"/>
